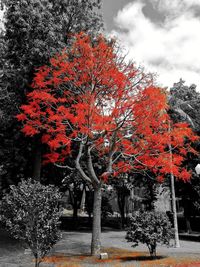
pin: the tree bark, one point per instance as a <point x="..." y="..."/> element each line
<point x="176" y="236"/>
<point x="187" y="213"/>
<point x="173" y="195"/>
<point x="188" y="225"/>
<point x="37" y="262"/>
<point x="75" y="212"/>
<point x="37" y="161"/>
<point x="152" y="250"/>
<point x="121" y="204"/>
<point x="96" y="227"/>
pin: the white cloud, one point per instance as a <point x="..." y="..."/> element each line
<point x="171" y="48"/>
<point x="175" y="6"/>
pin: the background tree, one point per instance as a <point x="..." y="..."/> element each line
<point x="34" y="31"/>
<point x="75" y="185"/>
<point x="149" y="183"/>
<point x="122" y="185"/>
<point x="184" y="103"/>
<point x="184" y="106"/>
<point x="89" y="101"/>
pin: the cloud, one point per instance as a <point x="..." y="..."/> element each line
<point x="175" y="6"/>
<point x="171" y="48"/>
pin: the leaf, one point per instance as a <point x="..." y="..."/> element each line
<point x="29" y="130"/>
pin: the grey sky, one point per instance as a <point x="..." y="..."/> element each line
<point x="161" y="35"/>
<point x="111" y="8"/>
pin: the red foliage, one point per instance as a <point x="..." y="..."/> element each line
<point x="87" y="95"/>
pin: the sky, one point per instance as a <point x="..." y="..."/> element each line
<point x="161" y="35"/>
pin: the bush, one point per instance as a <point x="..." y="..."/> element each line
<point x="149" y="228"/>
<point x="31" y="213"/>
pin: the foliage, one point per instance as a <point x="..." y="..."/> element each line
<point x="184" y="103"/>
<point x="137" y="127"/>
<point x="184" y="106"/>
<point x="149" y="228"/>
<point x="88" y="101"/>
<point x="31" y="213"/>
<point x="34" y="30"/>
<point x="37" y="29"/>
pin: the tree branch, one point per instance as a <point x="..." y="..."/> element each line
<point x="64" y="167"/>
<point x="91" y="168"/>
<point x="78" y="166"/>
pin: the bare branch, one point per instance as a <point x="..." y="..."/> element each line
<point x="78" y="166"/>
<point x="91" y="168"/>
<point x="64" y="167"/>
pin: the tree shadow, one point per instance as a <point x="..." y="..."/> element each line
<point x="143" y="258"/>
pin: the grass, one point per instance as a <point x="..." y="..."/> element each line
<point x="11" y="251"/>
<point x="122" y="258"/>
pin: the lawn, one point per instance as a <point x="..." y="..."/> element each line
<point x="123" y="258"/>
<point x="74" y="248"/>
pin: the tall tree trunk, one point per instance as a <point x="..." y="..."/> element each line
<point x="37" y="262"/>
<point x="173" y="195"/>
<point x="176" y="237"/>
<point x="75" y="211"/>
<point x="188" y="225"/>
<point x="37" y="161"/>
<point x="82" y="205"/>
<point x="187" y="213"/>
<point x="121" y="204"/>
<point x="96" y="227"/>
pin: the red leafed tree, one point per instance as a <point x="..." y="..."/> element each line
<point x="88" y="104"/>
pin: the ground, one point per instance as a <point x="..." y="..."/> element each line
<point x="74" y="249"/>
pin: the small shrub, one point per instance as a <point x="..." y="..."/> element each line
<point x="149" y="228"/>
<point x="31" y="213"/>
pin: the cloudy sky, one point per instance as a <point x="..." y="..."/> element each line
<point x="162" y="35"/>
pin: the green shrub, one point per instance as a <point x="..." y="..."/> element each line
<point x="31" y="213"/>
<point x="149" y="228"/>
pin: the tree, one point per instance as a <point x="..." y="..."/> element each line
<point x="149" y="228"/>
<point x="184" y="103"/>
<point x="149" y="183"/>
<point x="122" y="186"/>
<point x="34" y="31"/>
<point x="88" y="102"/>
<point x="31" y="213"/>
<point x="75" y="186"/>
<point x="184" y="106"/>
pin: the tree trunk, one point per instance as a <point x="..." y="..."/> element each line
<point x="121" y="205"/>
<point x="37" y="262"/>
<point x="187" y="213"/>
<point x="173" y="195"/>
<point x="37" y="162"/>
<point x="152" y="250"/>
<point x="188" y="225"/>
<point x="75" y="211"/>
<point x="96" y="227"/>
<point x="176" y="237"/>
<point x="82" y="205"/>
<point x="121" y="208"/>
